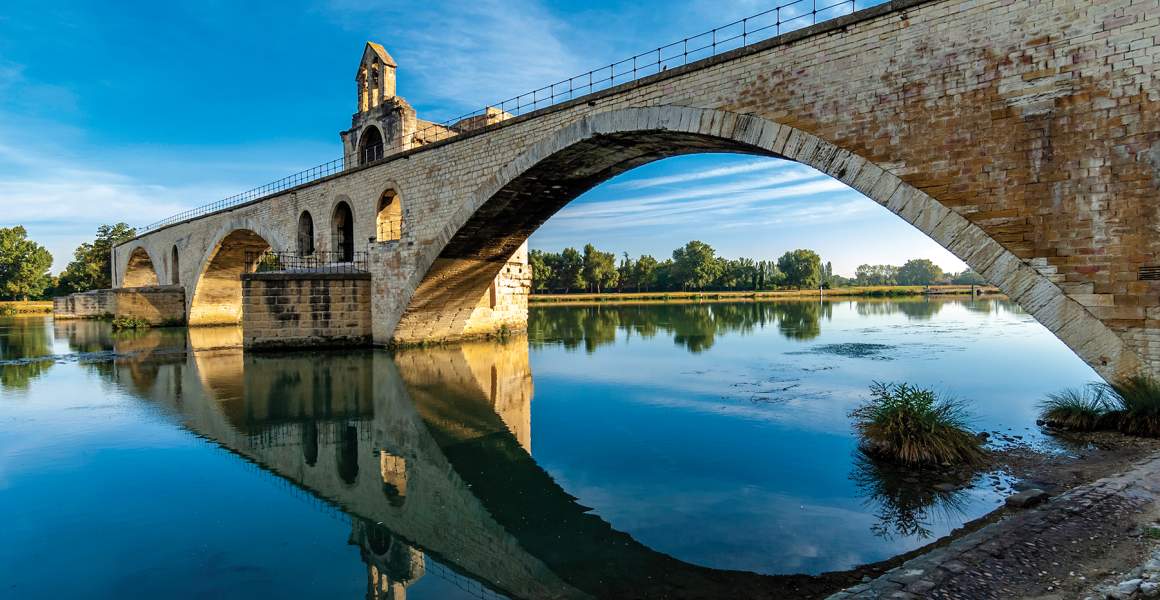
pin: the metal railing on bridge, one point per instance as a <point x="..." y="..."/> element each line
<point x="319" y="261"/>
<point x="755" y="28"/>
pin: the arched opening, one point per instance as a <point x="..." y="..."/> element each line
<point x="217" y="300"/>
<point x="174" y="267"/>
<point x="305" y="234"/>
<point x="370" y="145"/>
<point x="506" y="210"/>
<point x="389" y="219"/>
<point x="140" y="271"/>
<point x="342" y="232"/>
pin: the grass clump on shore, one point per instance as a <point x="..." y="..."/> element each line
<point x="1077" y="409"/>
<point x="1139" y="405"/>
<point x="914" y="426"/>
<point x="130" y="323"/>
<point x="1131" y="405"/>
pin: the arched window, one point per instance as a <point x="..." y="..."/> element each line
<point x="370" y="145"/>
<point x="174" y="267"/>
<point x="343" y="232"/>
<point x="305" y="234"/>
<point x="389" y="224"/>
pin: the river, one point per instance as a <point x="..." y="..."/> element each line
<point x="685" y="449"/>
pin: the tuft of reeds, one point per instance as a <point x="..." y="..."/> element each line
<point x="914" y="426"/>
<point x="1139" y="405"/>
<point x="1077" y="409"/>
<point x="1131" y="405"/>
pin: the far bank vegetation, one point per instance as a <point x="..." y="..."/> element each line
<point x="696" y="267"/>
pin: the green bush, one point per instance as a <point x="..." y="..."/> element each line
<point x="1077" y="409"/>
<point x="128" y="323"/>
<point x="1131" y="406"/>
<point x="914" y="426"/>
<point x="1139" y="405"/>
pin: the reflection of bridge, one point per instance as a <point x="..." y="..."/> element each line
<point x="1025" y="145"/>
<point x="428" y="453"/>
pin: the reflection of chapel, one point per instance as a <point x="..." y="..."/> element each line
<point x="386" y="123"/>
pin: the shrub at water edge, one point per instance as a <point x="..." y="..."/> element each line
<point x="1077" y="409"/>
<point x="1139" y="405"/>
<point x="1131" y="406"/>
<point x="914" y="426"/>
<point x="125" y="323"/>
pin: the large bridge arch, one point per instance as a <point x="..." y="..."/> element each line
<point x="499" y="216"/>
<point x="217" y="289"/>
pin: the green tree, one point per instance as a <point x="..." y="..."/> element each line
<point x="24" y="265"/>
<point x="968" y="277"/>
<point x="568" y="270"/>
<point x="541" y="270"/>
<point x="599" y="268"/>
<point x="802" y="268"/>
<point x="919" y="271"/>
<point x="644" y="272"/>
<point x="876" y="275"/>
<point x="626" y="273"/>
<point x="90" y="268"/>
<point x="695" y="266"/>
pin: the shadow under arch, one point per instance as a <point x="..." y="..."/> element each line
<point x="140" y="270"/>
<point x="520" y="197"/>
<point x="217" y="296"/>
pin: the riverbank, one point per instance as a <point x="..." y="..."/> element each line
<point x="1104" y="502"/>
<point x="881" y="291"/>
<point x="26" y="307"/>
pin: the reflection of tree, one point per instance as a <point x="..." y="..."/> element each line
<point x="907" y="499"/>
<point x="694" y="326"/>
<point x="800" y="320"/>
<point x="914" y="309"/>
<point x="22" y="341"/>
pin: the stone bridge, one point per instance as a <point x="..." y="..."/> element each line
<point x="1022" y="135"/>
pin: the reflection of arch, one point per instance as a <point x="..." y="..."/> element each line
<point x="174" y="267"/>
<point x="518" y="199"/>
<point x="389" y="217"/>
<point x="217" y="299"/>
<point x="140" y="271"/>
<point x="342" y="232"/>
<point x="305" y="234"/>
<point x="370" y="145"/>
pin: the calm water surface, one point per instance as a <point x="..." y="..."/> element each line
<point x="612" y="449"/>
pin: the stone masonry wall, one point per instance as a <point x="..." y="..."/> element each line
<point x="285" y="310"/>
<point x="1024" y="136"/>
<point x="158" y="305"/>
<point x="94" y="304"/>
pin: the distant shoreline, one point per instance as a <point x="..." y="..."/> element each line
<point x="29" y="307"/>
<point x="883" y="291"/>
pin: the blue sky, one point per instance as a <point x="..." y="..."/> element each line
<point x="136" y="110"/>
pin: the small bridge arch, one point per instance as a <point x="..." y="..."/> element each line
<point x="521" y="196"/>
<point x="140" y="271"/>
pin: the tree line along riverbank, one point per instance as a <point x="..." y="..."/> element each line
<point x="873" y="291"/>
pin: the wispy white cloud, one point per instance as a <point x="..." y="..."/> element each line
<point x="713" y="173"/>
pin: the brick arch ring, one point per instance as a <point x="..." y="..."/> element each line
<point x="1081" y="331"/>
